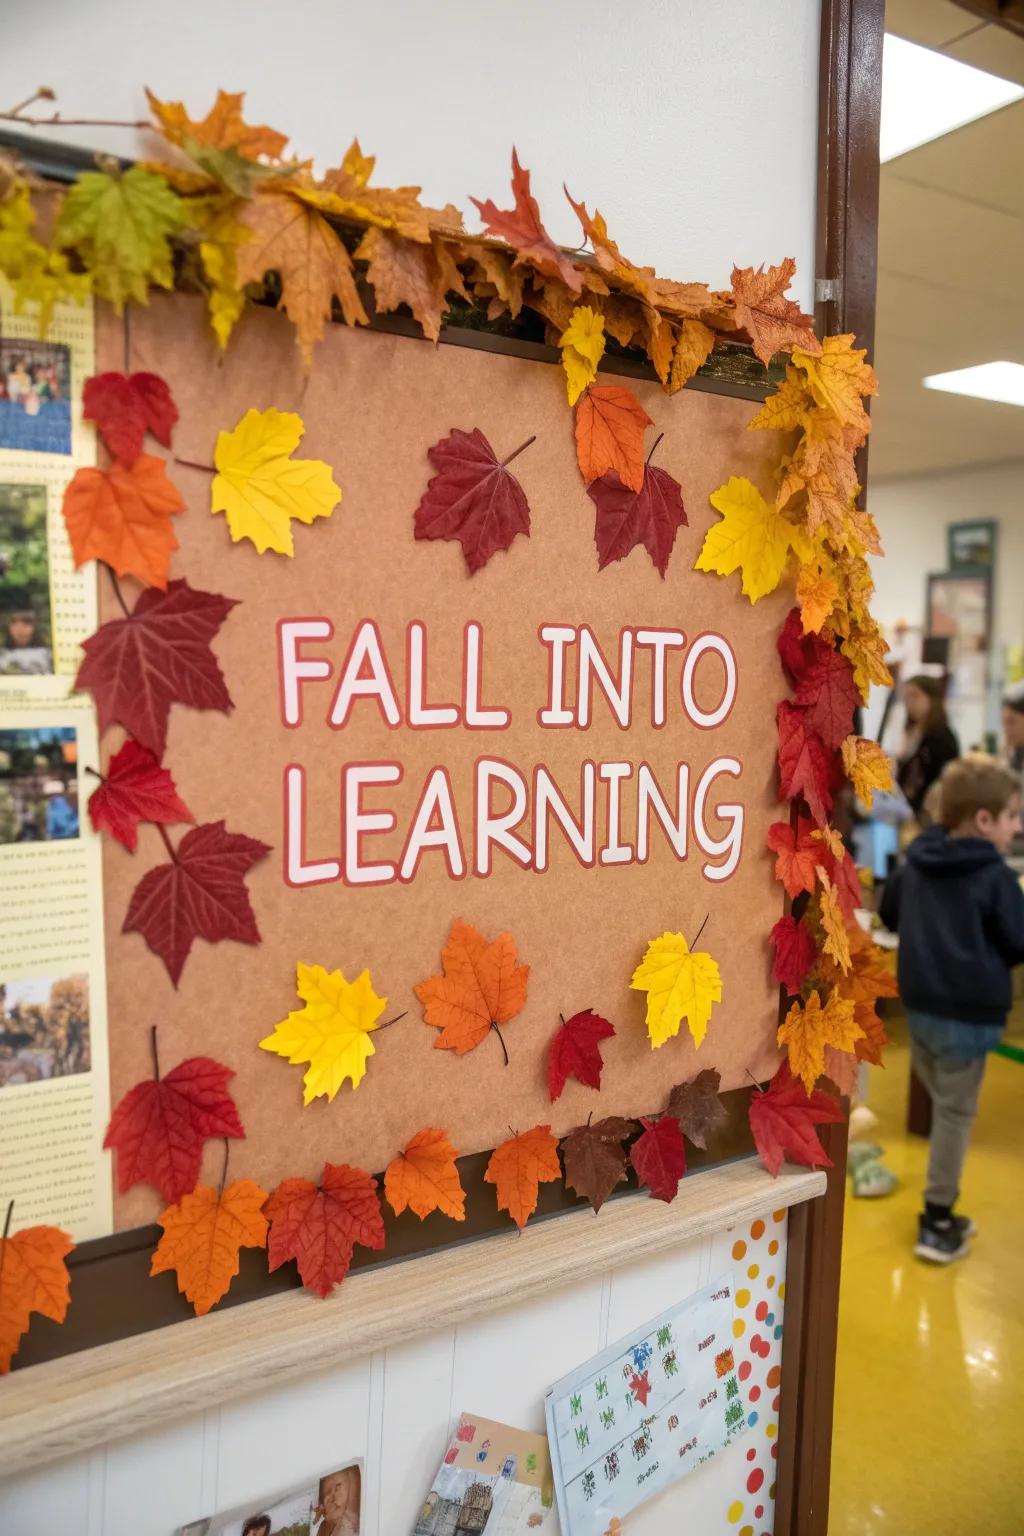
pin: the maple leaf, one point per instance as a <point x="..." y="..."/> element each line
<point x="867" y="767"/>
<point x="33" y="1278"/>
<point x="697" y="1107"/>
<point x="695" y="345"/>
<point x="473" y="498"/>
<point x="836" y="945"/>
<point x="38" y="274"/>
<point x="425" y="1177"/>
<point x="816" y="593"/>
<point x="838" y="378"/>
<point x="786" y="409"/>
<point x="135" y="788"/>
<point x="866" y="647"/>
<point x="625" y="518"/>
<point x="200" y="894"/>
<point x="871" y="974"/>
<point x="403" y="271"/>
<point x="659" y="1156"/>
<point x="753" y="537"/>
<point x="582" y="346"/>
<point x="680" y="984"/>
<point x="799" y="651"/>
<point x="318" y="1225"/>
<point x="640" y="1386"/>
<point x="806" y="766"/>
<point x="123" y="515"/>
<point x="127" y="406"/>
<point x="159" y="655"/>
<point x="203" y="1235"/>
<point x="159" y="1127"/>
<point x="869" y="1047"/>
<point x="782" y="1121"/>
<point x="216" y="220"/>
<point x="289" y="236"/>
<point x="483" y="985"/>
<point x="595" y="1159"/>
<point x="518" y="1168"/>
<point x="332" y="1031"/>
<point x="345" y="192"/>
<point x="575" y="1051"/>
<point x="798" y="855"/>
<point x="261" y="488"/>
<point x="120" y="224"/>
<point x="841" y="1068"/>
<point x="223" y="127"/>
<point x="610" y="424"/>
<point x="828" y="696"/>
<point x="773" y="322"/>
<point x="807" y="1029"/>
<point x="837" y="864"/>
<point x="521" y="227"/>
<point x="643" y="282"/>
<point x="795" y="953"/>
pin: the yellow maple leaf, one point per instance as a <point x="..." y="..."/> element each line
<point x="582" y="344"/>
<point x="753" y="537"/>
<point x="679" y="985"/>
<point x="37" y="274"/>
<point x="260" y="487"/>
<point x="357" y="166"/>
<point x="865" y="647"/>
<point x="808" y="1028"/>
<point x="694" y="347"/>
<point x="816" y="593"/>
<point x="787" y="408"/>
<point x="837" y="942"/>
<point x="223" y="127"/>
<point x="332" y="1032"/>
<point x="216" y="219"/>
<point x="867" y="767"/>
<point x="838" y="380"/>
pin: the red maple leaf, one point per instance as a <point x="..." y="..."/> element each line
<point x="795" y="953"/>
<point x="843" y="874"/>
<point x="806" y="766"/>
<point x="159" y="655"/>
<point x="659" y="1156"/>
<point x="473" y="497"/>
<point x="828" y="696"/>
<point x="798" y="651"/>
<point x="125" y="406"/>
<point x="869" y="1046"/>
<point x="201" y="894"/>
<point x="319" y="1225"/>
<point x="797" y="856"/>
<point x="576" y="1051"/>
<point x="159" y="1127"/>
<point x="135" y="788"/>
<point x="651" y="516"/>
<point x="521" y="226"/>
<point x="640" y="1387"/>
<point x="782" y="1121"/>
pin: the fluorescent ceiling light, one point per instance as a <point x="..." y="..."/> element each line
<point x="988" y="381"/>
<point x="926" y="94"/>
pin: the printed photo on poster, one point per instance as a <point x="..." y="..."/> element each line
<point x="328" y="1506"/>
<point x="39" y="784"/>
<point x="35" y="395"/>
<point x="44" y="1029"/>
<point x="26" y="633"/>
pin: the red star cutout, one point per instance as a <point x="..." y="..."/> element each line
<point x="640" y="1388"/>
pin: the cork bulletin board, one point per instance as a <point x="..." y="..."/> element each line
<point x="581" y="915"/>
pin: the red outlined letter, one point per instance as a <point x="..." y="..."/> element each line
<point x="592" y="663"/>
<point x="731" y="845"/>
<point x="648" y="798"/>
<point x="296" y="870"/>
<point x="420" y="714"/>
<point x="294" y="668"/>
<point x="436" y="800"/>
<point x="613" y="851"/>
<point x="548" y="800"/>
<point x="478" y="718"/>
<point x="721" y="647"/>
<point x="659" y="640"/>
<point x="366" y="650"/>
<point x="357" y="822"/>
<point x="557" y="636"/>
<point x="498" y="829"/>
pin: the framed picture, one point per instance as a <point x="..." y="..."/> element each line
<point x="971" y="546"/>
<point x="959" y="610"/>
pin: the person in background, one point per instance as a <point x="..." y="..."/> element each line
<point x="959" y="913"/>
<point x="1013" y="726"/>
<point x="928" y="743"/>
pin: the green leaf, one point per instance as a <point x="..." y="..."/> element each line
<point x="120" y="223"/>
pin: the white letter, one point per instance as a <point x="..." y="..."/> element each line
<point x="436" y="799"/>
<point x="558" y="636"/>
<point x="476" y="715"/>
<point x="547" y="799"/>
<point x="648" y="798"/>
<point x="358" y="821"/>
<point x="592" y="661"/>
<point x="615" y="852"/>
<point x="295" y="667"/>
<point x="659" y="640"/>
<point x="721" y="648"/>
<point x="498" y="829"/>
<point x="365" y="649"/>
<point x="420" y="712"/>
<point x="732" y="843"/>
<point x="297" y="871"/>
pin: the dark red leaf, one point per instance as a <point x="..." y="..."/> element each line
<point x="651" y="516"/>
<point x="595" y="1160"/>
<point x="659" y="1156"/>
<point x="522" y="228"/>
<point x="795" y="953"/>
<point x="828" y="696"/>
<point x="798" y="651"/>
<point x="135" y="789"/>
<point x="125" y="406"/>
<point x="137" y="667"/>
<point x="806" y="766"/>
<point x="782" y="1121"/>
<point x="159" y="1127"/>
<point x="576" y="1051"/>
<point x="319" y="1225"/>
<point x="472" y="498"/>
<point x="201" y="894"/>
<point x="843" y="874"/>
<point x="697" y="1107"/>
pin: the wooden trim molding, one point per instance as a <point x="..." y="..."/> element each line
<point x="106" y="1394"/>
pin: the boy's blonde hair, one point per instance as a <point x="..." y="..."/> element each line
<point x="975" y="783"/>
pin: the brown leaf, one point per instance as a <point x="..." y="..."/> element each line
<point x="594" y="1157"/>
<point x="697" y="1107"/>
<point x="402" y="272"/>
<point x="694" y="347"/>
<point x="773" y="322"/>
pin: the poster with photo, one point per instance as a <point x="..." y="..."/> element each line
<point x="26" y="625"/>
<point x="44" y="1029"/>
<point x="35" y="395"/>
<point x="325" y="1506"/>
<point x="39" y="784"/>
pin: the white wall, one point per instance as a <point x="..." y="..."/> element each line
<point x="693" y="126"/>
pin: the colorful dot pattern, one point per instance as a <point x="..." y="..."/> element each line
<point x="758" y="1261"/>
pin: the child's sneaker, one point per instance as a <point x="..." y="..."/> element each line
<point x="940" y="1241"/>
<point x="965" y="1226"/>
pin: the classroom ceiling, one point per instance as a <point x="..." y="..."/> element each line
<point x="950" y="265"/>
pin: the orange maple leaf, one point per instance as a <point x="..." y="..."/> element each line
<point x="521" y="226"/>
<point x="123" y="515"/>
<point x="869" y="1047"/>
<point x="402" y="271"/>
<point x="816" y="593"/>
<point x="773" y="322"/>
<point x="425" y="1178"/>
<point x="610" y="423"/>
<point x="203" y="1235"/>
<point x="518" y="1168"/>
<point x="694" y="347"/>
<point x="809" y="1027"/>
<point x="33" y="1278"/>
<point x="223" y="127"/>
<point x="482" y="986"/>
<point x="345" y="191"/>
<point x="837" y="944"/>
<point x="679" y="298"/>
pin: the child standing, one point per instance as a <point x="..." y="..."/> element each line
<point x="959" y="912"/>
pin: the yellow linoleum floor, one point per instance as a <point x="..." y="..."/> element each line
<point x="930" y="1381"/>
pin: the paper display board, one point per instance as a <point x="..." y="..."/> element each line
<point x="581" y="918"/>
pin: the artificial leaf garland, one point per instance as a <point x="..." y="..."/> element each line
<point x="582" y="347"/>
<point x="473" y="497"/>
<point x="259" y="486"/>
<point x="782" y="1121"/>
<point x="331" y="1031"/>
<point x="651" y="516"/>
<point x="610" y="424"/>
<point x="659" y="1156"/>
<point x="519" y="1166"/>
<point x="204" y="1233"/>
<point x="122" y="515"/>
<point x="595" y="1158"/>
<point x="125" y="407"/>
<point x="809" y="1027"/>
<point x="424" y="1177"/>
<point x="697" y="1107"/>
